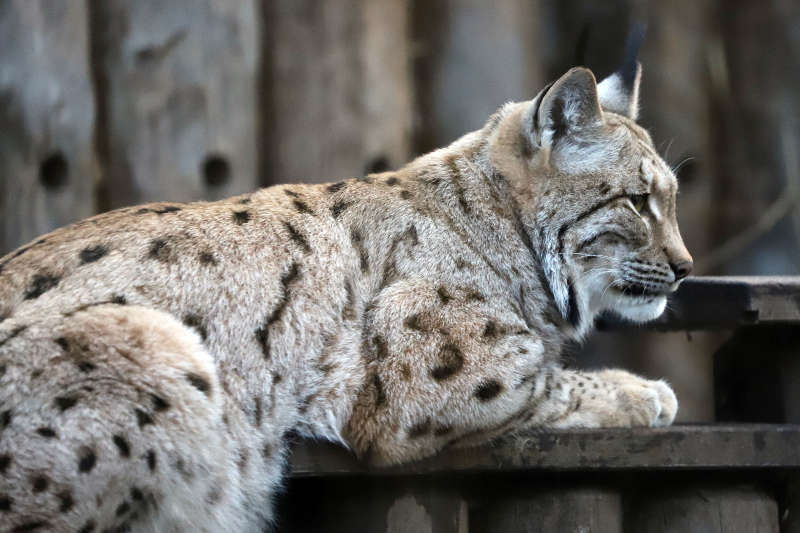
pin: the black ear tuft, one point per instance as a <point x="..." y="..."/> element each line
<point x="633" y="44"/>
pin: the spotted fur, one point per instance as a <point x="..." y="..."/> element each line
<point x="155" y="361"/>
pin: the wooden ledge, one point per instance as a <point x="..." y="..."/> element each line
<point x="673" y="448"/>
<point x="705" y="303"/>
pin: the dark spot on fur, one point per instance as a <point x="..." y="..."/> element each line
<point x="297" y="237"/>
<point x="358" y="244"/>
<point x="199" y="383"/>
<point x="65" y="402"/>
<point x="123" y="508"/>
<point x="241" y="217"/>
<point x="381" y="347"/>
<point x="119" y="300"/>
<point x="461" y="264"/>
<point x="573" y="313"/>
<point x="86" y="366"/>
<point x="5" y="503"/>
<point x="88" y="527"/>
<point x="392" y="181"/>
<point x="444" y="296"/>
<point x="419" y="429"/>
<point x="604" y="188"/>
<point x="440" y="431"/>
<point x="136" y="494"/>
<point x="143" y="418"/>
<point x="207" y="258"/>
<point x="413" y="322"/>
<point x="336" y="187"/>
<point x="5" y="460"/>
<point x="67" y="502"/>
<point x="160" y="250"/>
<point x="364" y="179"/>
<point x="475" y="296"/>
<point x="405" y="195"/>
<point x="46" y="432"/>
<point x="491" y="329"/>
<point x="276" y="378"/>
<point x="266" y="451"/>
<point x="122" y="445"/>
<point x="40" y="483"/>
<point x="30" y="526"/>
<point x="5" y="419"/>
<point x="338" y="207"/>
<point x="258" y="411"/>
<point x="92" y="254"/>
<point x="150" y="457"/>
<point x="291" y="193"/>
<point x="159" y="403"/>
<point x="262" y="337"/>
<point x="450" y="362"/>
<point x="167" y="209"/>
<point x="380" y="394"/>
<point x="195" y="322"/>
<point x="62" y="342"/>
<point x="40" y="284"/>
<point x="488" y="390"/>
<point x="86" y="460"/>
<point x="302" y="207"/>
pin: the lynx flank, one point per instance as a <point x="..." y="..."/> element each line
<point x="154" y="359"/>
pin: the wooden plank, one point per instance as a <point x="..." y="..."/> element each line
<point x="727" y="302"/>
<point x="179" y="103"/>
<point x="337" y="99"/>
<point x="522" y="510"/>
<point x="47" y="162"/>
<point x="706" y="510"/>
<point x="462" y="79"/>
<point x="672" y="448"/>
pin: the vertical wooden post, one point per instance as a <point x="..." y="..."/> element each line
<point x="179" y="103"/>
<point x="337" y="97"/>
<point x="47" y="161"/>
<point x="379" y="505"/>
<point x="570" y="509"/>
<point x="473" y="57"/>
<point x="729" y="510"/>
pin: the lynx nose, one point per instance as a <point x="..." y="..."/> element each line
<point x="682" y="269"/>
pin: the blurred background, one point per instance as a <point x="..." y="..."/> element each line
<point x="108" y="103"/>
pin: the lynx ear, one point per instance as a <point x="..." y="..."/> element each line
<point x="566" y="106"/>
<point x="619" y="93"/>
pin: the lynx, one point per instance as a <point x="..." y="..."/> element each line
<point x="154" y="360"/>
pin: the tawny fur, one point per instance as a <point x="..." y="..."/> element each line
<point x="155" y="359"/>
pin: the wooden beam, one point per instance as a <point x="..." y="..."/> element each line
<point x="673" y="448"/>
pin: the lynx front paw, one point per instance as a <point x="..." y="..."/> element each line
<point x="646" y="403"/>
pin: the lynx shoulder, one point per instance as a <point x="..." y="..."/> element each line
<point x="154" y="359"/>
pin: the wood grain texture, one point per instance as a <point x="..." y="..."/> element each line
<point x="338" y="101"/>
<point x="179" y="100"/>
<point x="673" y="448"/>
<point x="585" y="509"/>
<point x="47" y="161"/>
<point x="703" y="510"/>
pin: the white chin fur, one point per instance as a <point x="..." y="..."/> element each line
<point x="639" y="309"/>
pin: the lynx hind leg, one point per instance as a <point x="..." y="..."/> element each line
<point x="111" y="421"/>
<point x="610" y="398"/>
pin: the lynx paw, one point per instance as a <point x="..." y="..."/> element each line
<point x="647" y="403"/>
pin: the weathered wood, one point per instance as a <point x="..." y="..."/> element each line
<point x="337" y="98"/>
<point x="703" y="510"/>
<point x="375" y="505"/>
<point x="472" y="57"/>
<point x="179" y="105"/>
<point x="672" y="448"/>
<point x="47" y="161"/>
<point x="584" y="509"/>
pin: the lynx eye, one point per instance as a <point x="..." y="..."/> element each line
<point x="639" y="201"/>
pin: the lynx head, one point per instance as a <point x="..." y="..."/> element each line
<point x="596" y="199"/>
